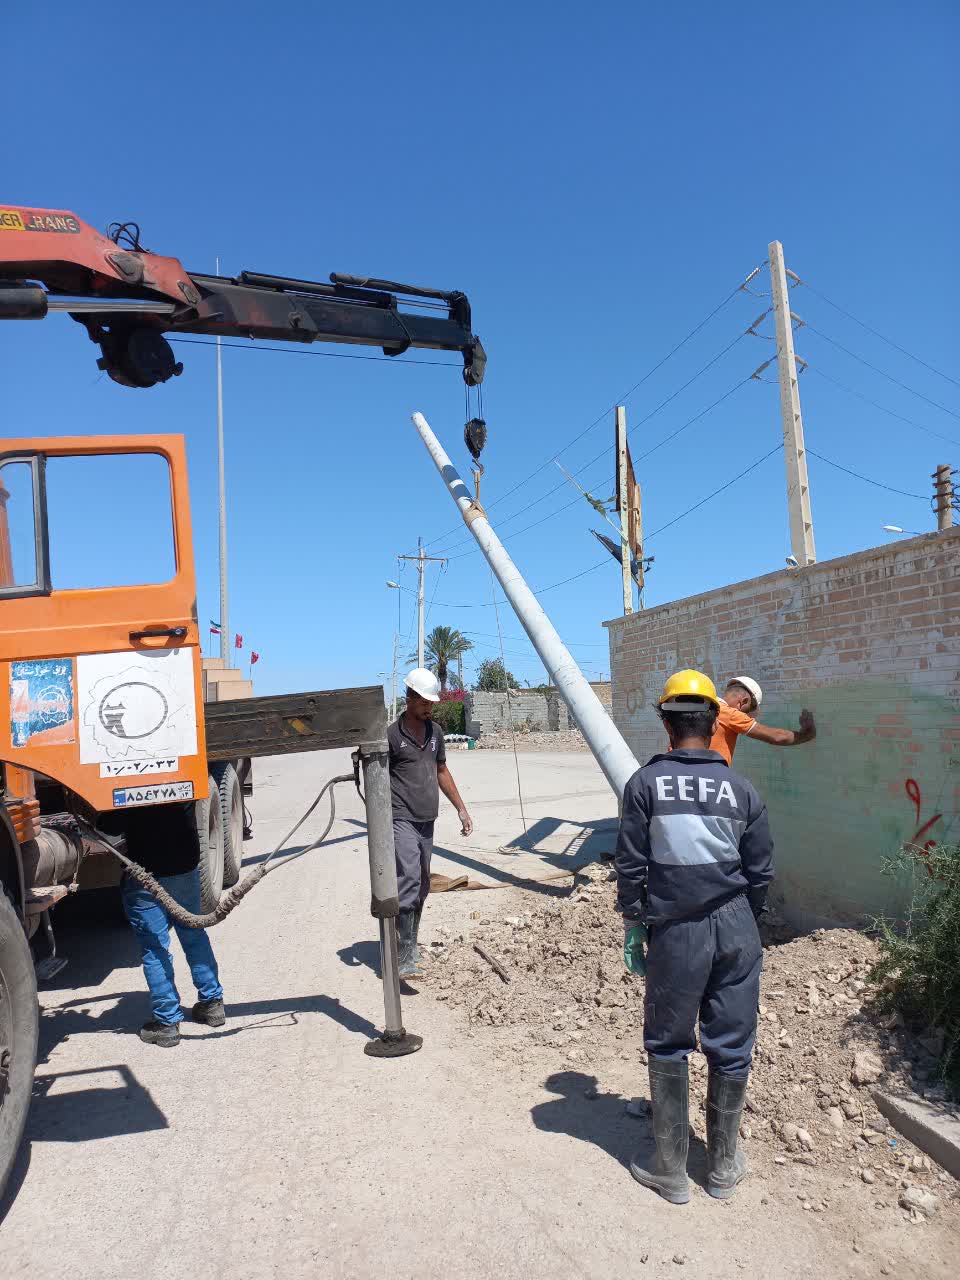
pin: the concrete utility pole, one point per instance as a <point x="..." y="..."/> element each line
<point x="943" y="488"/>
<point x="224" y="619"/>
<point x="612" y="754"/>
<point x="798" y="486"/>
<point x="396" y="654"/>
<point x="421" y="560"/>
<point x="621" y="416"/>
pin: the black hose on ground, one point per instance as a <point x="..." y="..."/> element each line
<point x="233" y="897"/>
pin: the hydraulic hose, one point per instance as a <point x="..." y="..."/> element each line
<point x="233" y="897"/>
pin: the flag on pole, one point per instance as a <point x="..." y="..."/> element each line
<point x="214" y="628"/>
<point x="254" y="658"/>
<point x="633" y="509"/>
<point x="238" y="641"/>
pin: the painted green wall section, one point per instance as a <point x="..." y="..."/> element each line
<point x="871" y="644"/>
<point x="885" y="764"/>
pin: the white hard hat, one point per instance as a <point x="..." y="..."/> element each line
<point x="751" y="686"/>
<point x="424" y="682"/>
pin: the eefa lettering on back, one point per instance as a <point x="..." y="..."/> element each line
<point x="705" y="789"/>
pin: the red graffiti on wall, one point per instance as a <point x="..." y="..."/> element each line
<point x="912" y="788"/>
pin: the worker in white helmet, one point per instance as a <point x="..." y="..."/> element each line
<point x="418" y="773"/>
<point x="738" y="715"/>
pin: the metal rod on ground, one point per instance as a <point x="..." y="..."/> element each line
<point x="603" y="738"/>
<point x="798" y="485"/>
<point x="384" y="899"/>
<point x="621" y="420"/>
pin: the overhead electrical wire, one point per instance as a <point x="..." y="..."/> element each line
<point x="300" y="350"/>
<point x="876" y="332"/>
<point x="606" y="412"/>
<point x="883" y="409"/>
<point x="876" y="369"/>
<point x="866" y="479"/>
<point x="640" y="458"/>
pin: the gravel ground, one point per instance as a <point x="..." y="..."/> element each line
<point x="274" y="1148"/>
<point x="565" y="740"/>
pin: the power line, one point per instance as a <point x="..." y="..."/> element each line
<point x="856" y="474"/>
<point x="883" y="373"/>
<point x="596" y="422"/>
<point x="883" y="409"/>
<point x="697" y="505"/>
<point x="640" y="458"/>
<point x="876" y="332"/>
<point x="301" y="351"/>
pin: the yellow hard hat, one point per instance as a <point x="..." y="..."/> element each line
<point x="683" y="686"/>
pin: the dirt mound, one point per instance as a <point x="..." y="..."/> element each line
<point x="820" y="1048"/>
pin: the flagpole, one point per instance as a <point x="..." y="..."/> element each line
<point x="224" y="621"/>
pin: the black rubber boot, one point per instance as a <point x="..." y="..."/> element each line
<point x="666" y="1170"/>
<point x="726" y="1163"/>
<point x="209" y="1012"/>
<point x="407" y="940"/>
<point x="164" y="1034"/>
<point x="417" y="953"/>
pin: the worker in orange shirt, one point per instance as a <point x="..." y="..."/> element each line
<point x="738" y="707"/>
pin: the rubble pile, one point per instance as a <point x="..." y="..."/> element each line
<point x="821" y="1049"/>
<point x="533" y="740"/>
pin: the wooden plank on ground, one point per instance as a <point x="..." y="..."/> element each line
<point x="290" y="722"/>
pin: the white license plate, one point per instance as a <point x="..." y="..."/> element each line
<point x="129" y="797"/>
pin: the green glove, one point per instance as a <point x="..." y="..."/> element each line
<point x="634" y="940"/>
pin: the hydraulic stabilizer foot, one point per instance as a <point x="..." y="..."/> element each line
<point x="393" y="1045"/>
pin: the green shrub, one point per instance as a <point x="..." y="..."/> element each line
<point x="450" y="716"/>
<point x="919" y="966"/>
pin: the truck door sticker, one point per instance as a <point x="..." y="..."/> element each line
<point x="139" y="768"/>
<point x="41" y="702"/>
<point x="136" y="706"/>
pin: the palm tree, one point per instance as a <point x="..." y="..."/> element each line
<point x="442" y="646"/>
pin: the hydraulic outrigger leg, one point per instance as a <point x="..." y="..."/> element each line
<point x="384" y="899"/>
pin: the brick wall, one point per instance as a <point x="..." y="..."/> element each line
<point x="871" y="643"/>
<point x="491" y="712"/>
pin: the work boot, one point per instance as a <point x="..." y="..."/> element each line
<point x="665" y="1171"/>
<point x="407" y="944"/>
<point x="726" y="1163"/>
<point x="164" y="1034"/>
<point x="417" y="953"/>
<point x="209" y="1012"/>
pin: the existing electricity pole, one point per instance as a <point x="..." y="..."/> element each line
<point x="224" y="620"/>
<point x="943" y="489"/>
<point x="798" y="486"/>
<point x="621" y="415"/>
<point x="421" y="560"/>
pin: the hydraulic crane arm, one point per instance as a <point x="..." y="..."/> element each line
<point x="128" y="298"/>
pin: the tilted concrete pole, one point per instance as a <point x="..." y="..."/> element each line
<point x="603" y="738"/>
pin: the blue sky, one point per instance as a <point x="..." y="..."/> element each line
<point x="597" y="180"/>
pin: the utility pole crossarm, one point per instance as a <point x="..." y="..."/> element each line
<point x="795" y="455"/>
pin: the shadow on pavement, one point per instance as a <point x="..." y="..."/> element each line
<point x="299" y="848"/>
<point x="590" y="1116"/>
<point x="555" y="889"/>
<point x="361" y="955"/>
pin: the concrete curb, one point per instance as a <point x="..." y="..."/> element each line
<point x="933" y="1128"/>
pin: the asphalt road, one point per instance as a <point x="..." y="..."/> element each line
<point x="274" y="1147"/>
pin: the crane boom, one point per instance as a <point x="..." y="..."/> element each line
<point x="49" y="258"/>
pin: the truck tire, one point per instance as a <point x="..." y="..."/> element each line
<point x="231" y="814"/>
<point x="18" y="1033"/>
<point x="210" y="830"/>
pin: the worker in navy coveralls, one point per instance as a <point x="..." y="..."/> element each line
<point x="694" y="859"/>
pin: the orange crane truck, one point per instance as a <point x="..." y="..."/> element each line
<point x="101" y="704"/>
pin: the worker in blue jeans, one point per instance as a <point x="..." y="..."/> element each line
<point x="164" y="840"/>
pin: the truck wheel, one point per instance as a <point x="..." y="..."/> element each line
<point x="18" y="1033"/>
<point x="210" y="830"/>
<point x="231" y="813"/>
